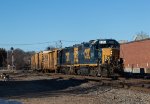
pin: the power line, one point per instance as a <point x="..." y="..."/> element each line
<point x="38" y="43"/>
<point x="70" y="41"/>
<point x="23" y="44"/>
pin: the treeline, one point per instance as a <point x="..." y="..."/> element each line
<point x="3" y="57"/>
<point x="21" y="58"/>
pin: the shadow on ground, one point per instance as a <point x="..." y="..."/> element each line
<point x="36" y="88"/>
<point x="9" y="102"/>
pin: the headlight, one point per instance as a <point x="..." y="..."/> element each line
<point x="111" y="52"/>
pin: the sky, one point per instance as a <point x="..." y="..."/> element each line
<point x="32" y="25"/>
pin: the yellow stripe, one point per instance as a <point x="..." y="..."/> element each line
<point x="80" y="65"/>
<point x="85" y="64"/>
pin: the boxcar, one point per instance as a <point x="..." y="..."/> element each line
<point x="45" y="61"/>
<point x="35" y="61"/>
<point x="53" y="60"/>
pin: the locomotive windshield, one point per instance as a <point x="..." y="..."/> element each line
<point x="108" y="44"/>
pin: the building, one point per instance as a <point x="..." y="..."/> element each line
<point x="136" y="55"/>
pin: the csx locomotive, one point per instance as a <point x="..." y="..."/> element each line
<point x="96" y="57"/>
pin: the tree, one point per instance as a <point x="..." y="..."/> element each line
<point x="3" y="57"/>
<point x="21" y="58"/>
<point x="140" y="36"/>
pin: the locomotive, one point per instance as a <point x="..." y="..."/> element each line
<point x="97" y="58"/>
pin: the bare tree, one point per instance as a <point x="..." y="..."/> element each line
<point x="21" y="58"/>
<point x="140" y="36"/>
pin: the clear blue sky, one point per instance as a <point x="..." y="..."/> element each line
<point x="34" y="21"/>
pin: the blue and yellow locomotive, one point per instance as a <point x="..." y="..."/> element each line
<point x="96" y="57"/>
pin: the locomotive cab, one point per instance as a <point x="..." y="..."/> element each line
<point x="110" y="56"/>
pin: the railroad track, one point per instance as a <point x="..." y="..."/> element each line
<point x="132" y="83"/>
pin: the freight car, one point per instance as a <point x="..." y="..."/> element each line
<point x="35" y="61"/>
<point x="96" y="57"/>
<point x="45" y="61"/>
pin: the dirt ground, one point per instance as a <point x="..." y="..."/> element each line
<point x="38" y="88"/>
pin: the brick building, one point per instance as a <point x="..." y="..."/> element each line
<point x="136" y="55"/>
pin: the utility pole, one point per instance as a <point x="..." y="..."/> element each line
<point x="7" y="60"/>
<point x="12" y="57"/>
<point x="59" y="44"/>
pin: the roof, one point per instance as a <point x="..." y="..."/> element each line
<point x="136" y="41"/>
<point x="46" y="51"/>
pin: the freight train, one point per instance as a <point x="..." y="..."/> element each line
<point x="97" y="58"/>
